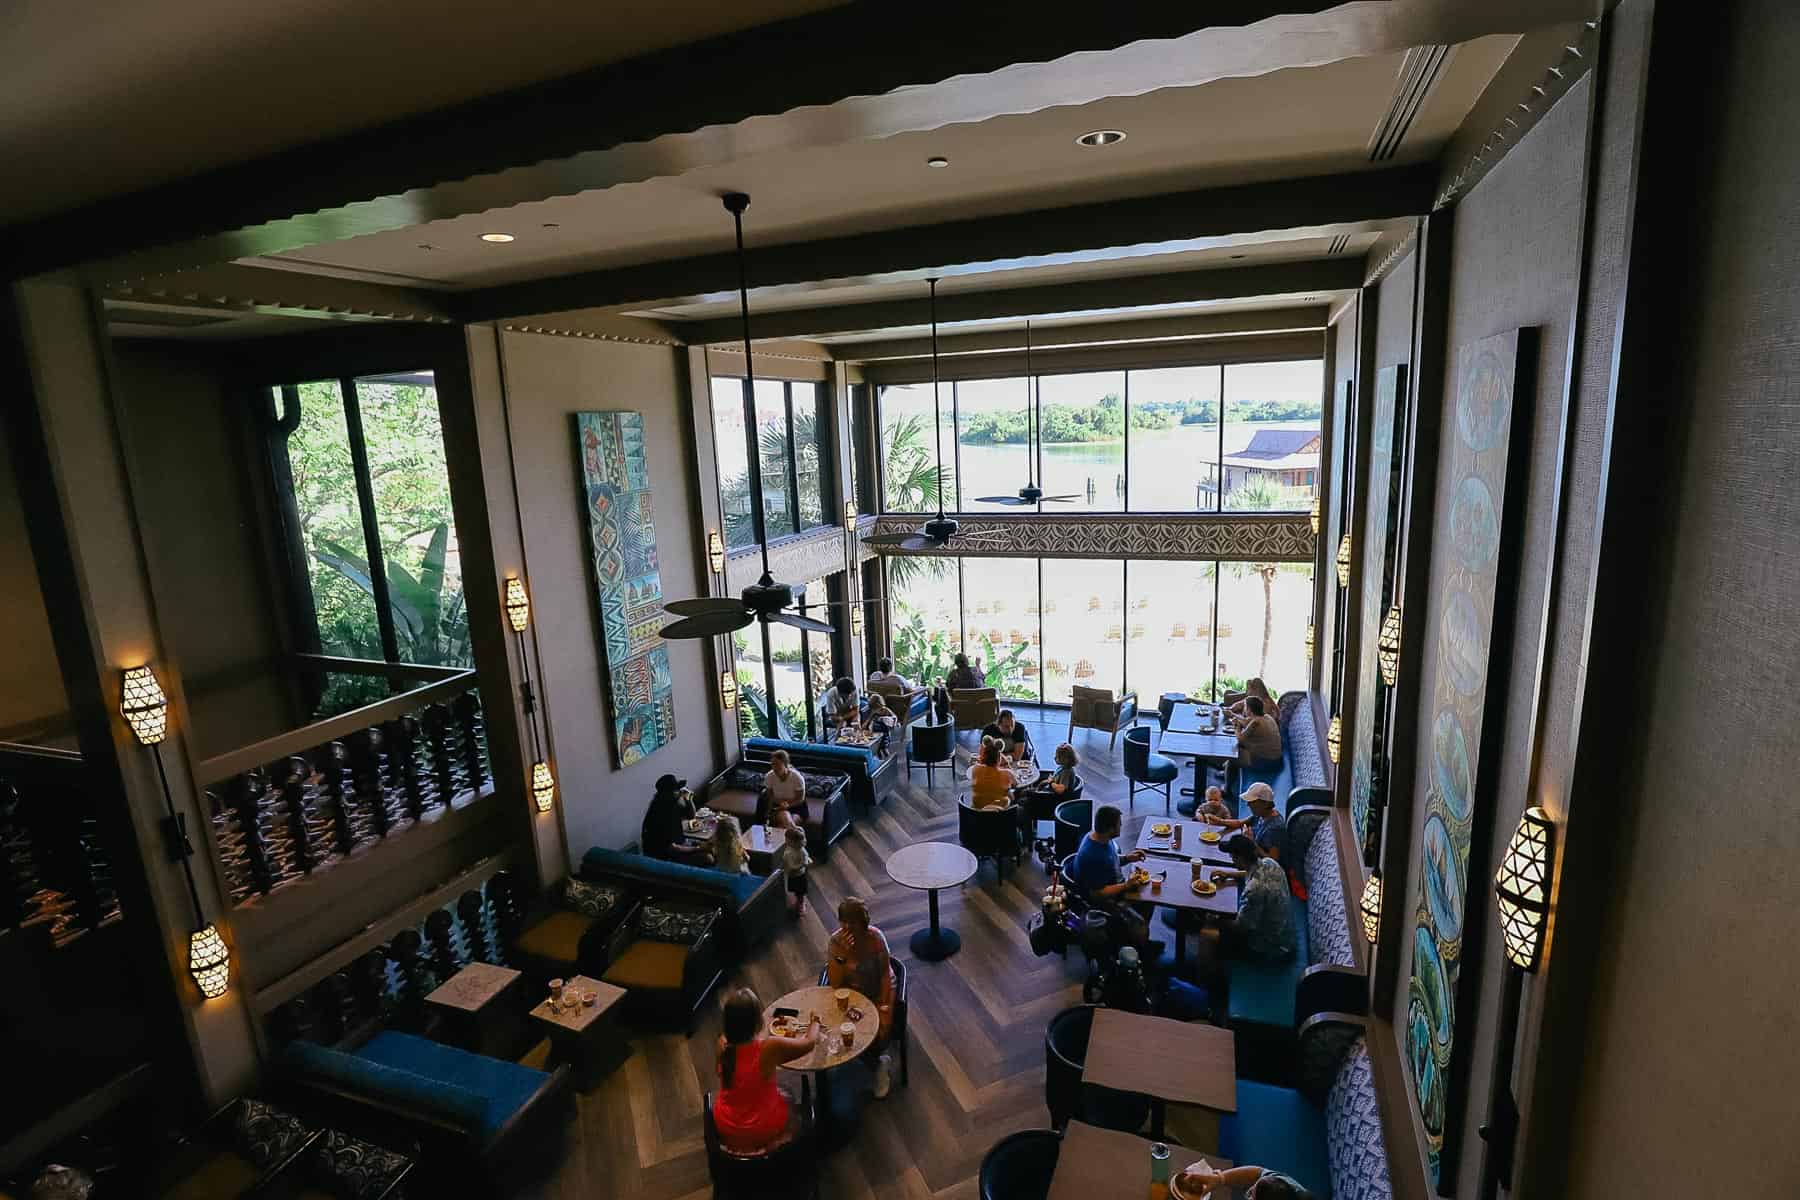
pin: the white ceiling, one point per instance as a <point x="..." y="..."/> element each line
<point x="1300" y="121"/>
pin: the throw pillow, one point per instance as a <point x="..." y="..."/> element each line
<point x="590" y="899"/>
<point x="344" y="1166"/>
<point x="684" y="926"/>
<point x="266" y="1135"/>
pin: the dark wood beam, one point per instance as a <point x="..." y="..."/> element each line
<point x="567" y="135"/>
<point x="1314" y="202"/>
<point x="1096" y="333"/>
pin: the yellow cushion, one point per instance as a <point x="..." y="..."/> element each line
<point x="557" y="937"/>
<point x="223" y="1174"/>
<point x="648" y="964"/>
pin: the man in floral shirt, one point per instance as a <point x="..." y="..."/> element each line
<point x="1264" y="929"/>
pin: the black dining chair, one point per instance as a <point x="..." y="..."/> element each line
<point x="1065" y="1054"/>
<point x="1073" y="820"/>
<point x="1148" y="772"/>
<point x="931" y="746"/>
<point x="988" y="833"/>
<point x="790" y="1169"/>
<point x="1020" y="1165"/>
<point x="896" y="1043"/>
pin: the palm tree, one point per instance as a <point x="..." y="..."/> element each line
<point x="912" y="469"/>
<point x="1267" y="571"/>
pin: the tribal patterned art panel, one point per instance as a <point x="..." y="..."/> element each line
<point x="621" y="517"/>
<point x="1278" y="537"/>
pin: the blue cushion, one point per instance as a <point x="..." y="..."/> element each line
<point x="920" y="706"/>
<point x="850" y="757"/>
<point x="1161" y="770"/>
<point x="434" y="1097"/>
<point x="1263" y="993"/>
<point x="599" y="861"/>
<point x="1277" y="1128"/>
<point x="1279" y="778"/>
<point x="503" y="1087"/>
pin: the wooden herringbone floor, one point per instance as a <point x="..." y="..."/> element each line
<point x="977" y="1024"/>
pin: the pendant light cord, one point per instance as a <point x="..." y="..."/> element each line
<point x="1031" y="428"/>
<point x="735" y="204"/>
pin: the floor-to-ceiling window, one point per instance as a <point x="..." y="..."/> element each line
<point x="912" y="448"/>
<point x="1081" y="423"/>
<point x="994" y="457"/>
<point x="1168" y="647"/>
<point x="1084" y="625"/>
<point x="1000" y="622"/>
<point x="1175" y="439"/>
<point x="790" y="444"/>
<point x="1272" y="435"/>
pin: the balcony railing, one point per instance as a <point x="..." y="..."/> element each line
<point x="56" y="871"/>
<point x="297" y="803"/>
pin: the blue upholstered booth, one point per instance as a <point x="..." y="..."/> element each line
<point x="870" y="773"/>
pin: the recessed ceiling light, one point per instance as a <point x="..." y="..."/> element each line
<point x="1101" y="137"/>
<point x="496" y="237"/>
<point x="937" y="161"/>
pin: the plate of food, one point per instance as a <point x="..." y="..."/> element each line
<point x="1205" y="887"/>
<point x="1138" y="876"/>
<point x="1161" y="829"/>
<point x="786" y="1027"/>
<point x="1210" y="836"/>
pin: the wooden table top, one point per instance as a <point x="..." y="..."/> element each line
<point x="1177" y="890"/>
<point x="577" y="1020"/>
<point x="1190" y="717"/>
<point x="930" y="865"/>
<point x="821" y="1000"/>
<point x="1187" y="1062"/>
<point x="1100" y="1164"/>
<point x="473" y="987"/>
<point x="1217" y="747"/>
<point x="1191" y="844"/>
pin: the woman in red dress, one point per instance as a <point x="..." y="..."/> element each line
<point x="750" y="1112"/>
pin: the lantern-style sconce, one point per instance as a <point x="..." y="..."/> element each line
<point x="856" y="620"/>
<point x="1387" y="647"/>
<point x="1371" y="907"/>
<point x="518" y="606"/>
<point x="849" y="515"/>
<point x="143" y="705"/>
<point x="209" y="962"/>
<point x="715" y="552"/>
<point x="1311" y="641"/>
<point x="1313" y="517"/>
<point x="1334" y="738"/>
<point x="1522" y="886"/>
<point x="1343" y="562"/>
<point x="728" y="690"/>
<point x="543" y="785"/>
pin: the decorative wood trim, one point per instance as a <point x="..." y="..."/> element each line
<point x="1097" y="333"/>
<point x="1235" y="537"/>
<point x="796" y="559"/>
<point x="1279" y="347"/>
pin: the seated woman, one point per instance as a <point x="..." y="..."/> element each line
<point x="990" y="783"/>
<point x="662" y="834"/>
<point x="1256" y="1183"/>
<point x="962" y="677"/>
<point x="786" y="791"/>
<point x="858" y="958"/>
<point x="1264" y="929"/>
<point x="751" y="1113"/>
<point x="1239" y="710"/>
<point x="1259" y="738"/>
<point x="728" y="846"/>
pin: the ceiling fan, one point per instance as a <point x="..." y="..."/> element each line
<point x="1031" y="493"/>
<point x="936" y="533"/>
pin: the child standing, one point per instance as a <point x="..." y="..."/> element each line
<point x="793" y="861"/>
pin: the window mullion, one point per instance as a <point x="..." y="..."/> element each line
<point x="793" y="460"/>
<point x="365" y="501"/>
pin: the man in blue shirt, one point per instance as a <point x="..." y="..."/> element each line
<point x="1098" y="873"/>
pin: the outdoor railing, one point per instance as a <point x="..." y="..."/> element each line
<point x="297" y="803"/>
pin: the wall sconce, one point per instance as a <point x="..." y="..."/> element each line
<point x="145" y="708"/>
<point x="728" y="690"/>
<point x="1371" y="907"/>
<point x="1343" y="562"/>
<point x="543" y="785"/>
<point x="1313" y="517"/>
<point x="1387" y="647"/>
<point x="1522" y="892"/>
<point x="518" y="606"/>
<point x="856" y="620"/>
<point x="1334" y="738"/>
<point x="849" y="516"/>
<point x="1522" y="887"/>
<point x="1311" y="641"/>
<point x="715" y="552"/>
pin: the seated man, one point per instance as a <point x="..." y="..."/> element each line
<point x="841" y="704"/>
<point x="1264" y="929"/>
<point x="1264" y="824"/>
<point x="1014" y="741"/>
<point x="884" y="673"/>
<point x="662" y="835"/>
<point x="961" y="678"/>
<point x="1259" y="739"/>
<point x="1099" y="874"/>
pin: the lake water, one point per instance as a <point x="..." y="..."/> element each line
<point x="1167" y="466"/>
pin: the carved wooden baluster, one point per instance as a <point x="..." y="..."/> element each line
<point x="333" y="1008"/>
<point x="416" y="980"/>
<point x="473" y="911"/>
<point x="508" y="912"/>
<point x="444" y="736"/>
<point x="474" y="739"/>
<point x="287" y="798"/>
<point x="365" y="760"/>
<point x="293" y="1021"/>
<point x="105" y="895"/>
<point x="401" y="786"/>
<point x="275" y="828"/>
<point x="443" y="952"/>
<point x="18" y="857"/>
<point x="241" y="797"/>
<point x="336" y="795"/>
<point x="369" y="984"/>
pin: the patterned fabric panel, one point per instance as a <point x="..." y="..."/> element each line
<point x="1324" y="1048"/>
<point x="591" y="899"/>
<point x="1300" y="739"/>
<point x="1327" y="921"/>
<point x="683" y="926"/>
<point x="1359" y="1163"/>
<point x="1303" y="829"/>
<point x="344" y="1166"/>
<point x="266" y="1135"/>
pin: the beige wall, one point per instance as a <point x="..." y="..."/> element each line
<point x="546" y="380"/>
<point x="1688" y="1065"/>
<point x="33" y="706"/>
<point x="1343" y="340"/>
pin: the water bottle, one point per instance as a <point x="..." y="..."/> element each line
<point x="1159" y="1171"/>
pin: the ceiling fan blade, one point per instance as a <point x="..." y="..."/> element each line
<point x="800" y="622"/>
<point x="832" y="604"/>
<point x="1070" y="497"/>
<point x="890" y="539"/>
<point x="710" y="625"/>
<point x="1015" y="500"/>
<point x="704" y="606"/>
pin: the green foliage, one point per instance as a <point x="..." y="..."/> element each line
<point x="922" y="654"/>
<point x="1226" y="685"/>
<point x="1101" y="421"/>
<point x="911" y="469"/>
<point x="1260" y="493"/>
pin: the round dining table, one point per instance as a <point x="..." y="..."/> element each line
<point x="927" y="867"/>
<point x="838" y="1111"/>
